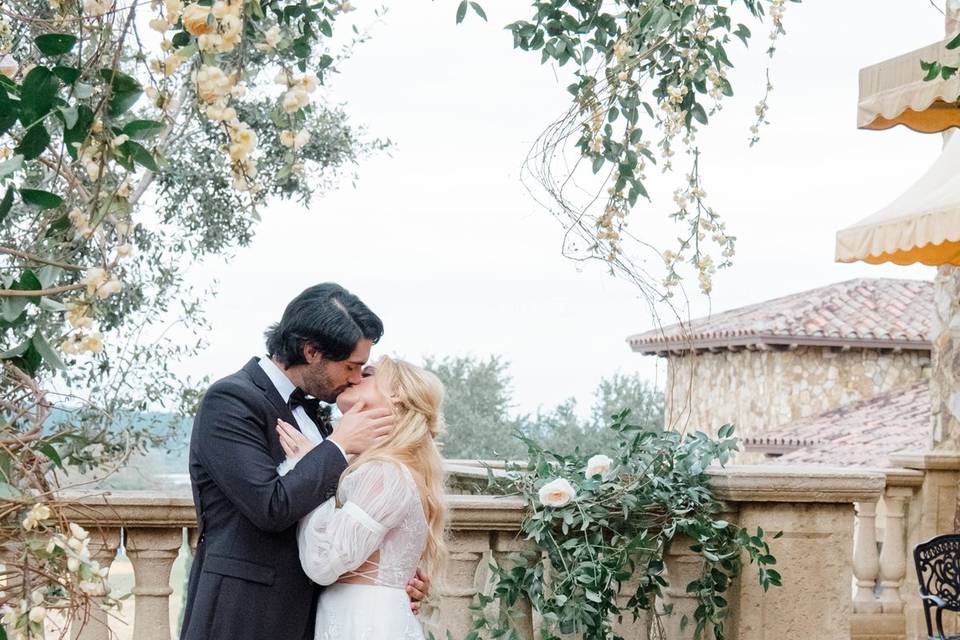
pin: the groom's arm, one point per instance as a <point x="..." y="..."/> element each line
<point x="232" y="446"/>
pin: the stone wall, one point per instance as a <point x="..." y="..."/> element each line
<point x="759" y="390"/>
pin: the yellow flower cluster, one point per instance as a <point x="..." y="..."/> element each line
<point x="218" y="27"/>
<point x="298" y="91"/>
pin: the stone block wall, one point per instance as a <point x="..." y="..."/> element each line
<point x="759" y="390"/>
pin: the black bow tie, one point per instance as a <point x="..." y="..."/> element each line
<point x="312" y="407"/>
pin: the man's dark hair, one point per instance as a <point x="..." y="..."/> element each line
<point x="327" y="316"/>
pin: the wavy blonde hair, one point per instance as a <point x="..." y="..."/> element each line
<point x="417" y="396"/>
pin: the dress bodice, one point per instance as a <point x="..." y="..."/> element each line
<point x="380" y="510"/>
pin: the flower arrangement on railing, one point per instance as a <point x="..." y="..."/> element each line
<point x="601" y="527"/>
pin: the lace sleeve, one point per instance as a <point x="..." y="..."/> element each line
<point x="334" y="540"/>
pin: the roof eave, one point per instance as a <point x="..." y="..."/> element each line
<point x="666" y="347"/>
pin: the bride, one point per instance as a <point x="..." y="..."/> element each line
<point x="388" y="516"/>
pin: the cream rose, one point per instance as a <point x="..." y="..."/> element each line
<point x="195" y="19"/>
<point x="598" y="465"/>
<point x="557" y="493"/>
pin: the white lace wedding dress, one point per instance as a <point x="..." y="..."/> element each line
<point x="381" y="511"/>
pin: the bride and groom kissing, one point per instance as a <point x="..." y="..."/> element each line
<point x="307" y="531"/>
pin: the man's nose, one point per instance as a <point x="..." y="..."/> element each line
<point x="354" y="379"/>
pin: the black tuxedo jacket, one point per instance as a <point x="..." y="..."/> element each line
<point x="246" y="581"/>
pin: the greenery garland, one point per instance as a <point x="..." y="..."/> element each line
<point x="602" y="526"/>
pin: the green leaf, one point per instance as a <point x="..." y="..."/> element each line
<point x="70" y="115"/>
<point x="69" y="75"/>
<point x="46" y="352"/>
<point x="125" y="91"/>
<point x="11" y="309"/>
<point x="10" y="165"/>
<point x="75" y="135"/>
<point x="698" y="113"/>
<point x="479" y="10"/>
<point x="139" y="129"/>
<point x="16" y="352"/>
<point x="6" y="203"/>
<point x="37" y="93"/>
<point x="8" y="111"/>
<point x="40" y="198"/>
<point x="34" y="142"/>
<point x="139" y="154"/>
<point x="954" y="43"/>
<point x="55" y="44"/>
<point x="462" y="11"/>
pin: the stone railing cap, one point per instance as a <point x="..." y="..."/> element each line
<point x="927" y="460"/>
<point x="795" y="483"/>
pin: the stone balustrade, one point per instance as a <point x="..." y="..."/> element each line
<point x="881" y="559"/>
<point x="917" y="503"/>
<point x="812" y="507"/>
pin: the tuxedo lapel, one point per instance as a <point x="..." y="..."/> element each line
<point x="263" y="382"/>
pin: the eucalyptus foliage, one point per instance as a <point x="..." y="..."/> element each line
<point x="606" y="532"/>
<point x="644" y="77"/>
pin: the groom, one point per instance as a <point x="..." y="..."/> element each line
<point x="246" y="581"/>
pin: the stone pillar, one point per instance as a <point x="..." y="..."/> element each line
<point x="152" y="552"/>
<point x="813" y="507"/>
<point x="945" y="378"/>
<point x="866" y="560"/>
<point x="92" y="624"/>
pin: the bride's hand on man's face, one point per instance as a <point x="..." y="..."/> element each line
<point x="294" y="443"/>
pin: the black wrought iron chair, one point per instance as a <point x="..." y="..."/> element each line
<point x="938" y="572"/>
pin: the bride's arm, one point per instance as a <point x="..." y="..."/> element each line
<point x="333" y="541"/>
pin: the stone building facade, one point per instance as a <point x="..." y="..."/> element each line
<point x="769" y="364"/>
<point x="757" y="390"/>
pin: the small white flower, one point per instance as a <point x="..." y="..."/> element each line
<point x="78" y="532"/>
<point x="73" y="565"/>
<point x="37" y="614"/>
<point x="557" y="493"/>
<point x="598" y="465"/>
<point x="96" y="7"/>
<point x="37" y="513"/>
<point x="8" y="66"/>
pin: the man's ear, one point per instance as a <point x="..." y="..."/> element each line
<point x="310" y="353"/>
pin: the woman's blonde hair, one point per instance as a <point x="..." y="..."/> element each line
<point x="417" y="397"/>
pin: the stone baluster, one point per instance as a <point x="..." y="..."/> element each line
<point x="152" y="552"/>
<point x="866" y="559"/>
<point x="467" y="571"/>
<point x="503" y="544"/>
<point x="893" y="564"/>
<point x="683" y="567"/>
<point x="631" y="629"/>
<point x="92" y="624"/>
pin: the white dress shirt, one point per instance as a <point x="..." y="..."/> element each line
<point x="285" y="387"/>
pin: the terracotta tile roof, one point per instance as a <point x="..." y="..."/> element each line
<point x="862" y="434"/>
<point x="865" y="313"/>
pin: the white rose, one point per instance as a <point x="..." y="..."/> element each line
<point x="73" y="565"/>
<point x="598" y="465"/>
<point x="37" y="614"/>
<point x="557" y="493"/>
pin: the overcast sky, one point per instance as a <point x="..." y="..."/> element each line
<point x="441" y="239"/>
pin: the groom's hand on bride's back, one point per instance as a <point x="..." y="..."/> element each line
<point x="359" y="428"/>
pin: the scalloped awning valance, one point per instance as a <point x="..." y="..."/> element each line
<point x="922" y="225"/>
<point x="894" y="92"/>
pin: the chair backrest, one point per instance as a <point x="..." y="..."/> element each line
<point x="938" y="569"/>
